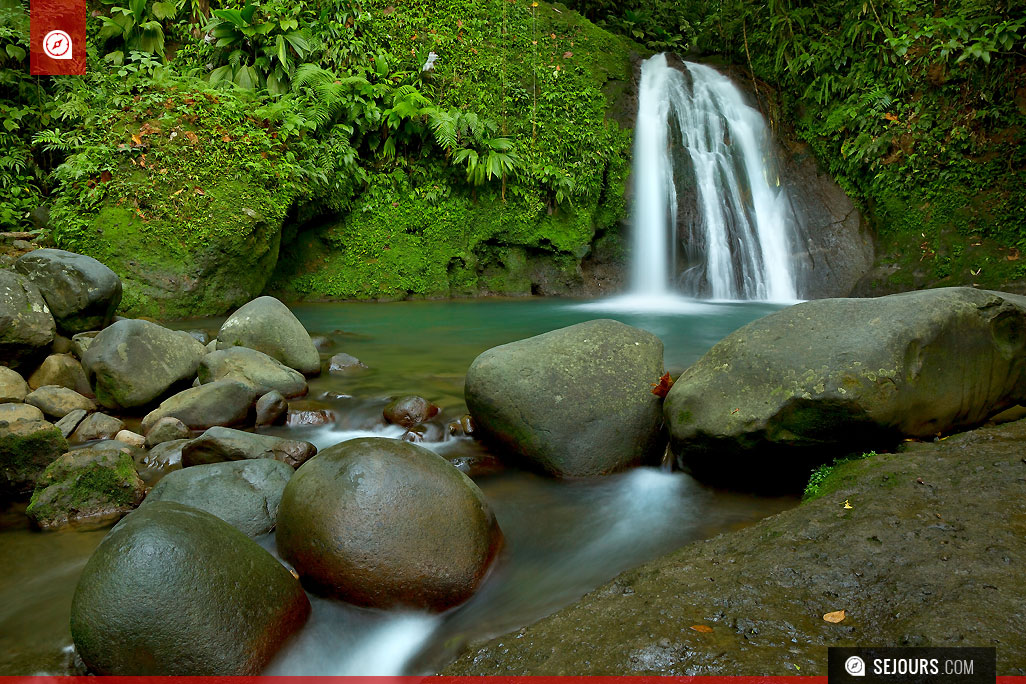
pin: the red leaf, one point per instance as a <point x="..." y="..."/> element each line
<point x="661" y="388"/>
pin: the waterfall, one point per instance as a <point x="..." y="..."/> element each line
<point x="740" y="234"/>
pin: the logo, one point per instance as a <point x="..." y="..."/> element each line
<point x="855" y="666"/>
<point x="57" y="45"/>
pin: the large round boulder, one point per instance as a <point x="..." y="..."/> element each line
<point x="800" y="386"/>
<point x="267" y="325"/>
<point x="245" y="494"/>
<point x="82" y="293"/>
<point x="574" y="402"/>
<point x="381" y="522"/>
<point x="173" y="590"/>
<point x="262" y="372"/>
<point x="133" y="362"/>
<point x="26" y="325"/>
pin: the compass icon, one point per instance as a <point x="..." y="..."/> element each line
<point x="57" y="45"/>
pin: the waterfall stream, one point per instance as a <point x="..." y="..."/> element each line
<point x="697" y="142"/>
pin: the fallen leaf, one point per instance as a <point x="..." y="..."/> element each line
<point x="567" y="55"/>
<point x="136" y="139"/>
<point x="552" y="36"/>
<point x="661" y="388"/>
<point x="847" y="505"/>
<point x="192" y="137"/>
<point x="226" y="138"/>
<point x="199" y="191"/>
<point x="177" y="192"/>
<point x="704" y="629"/>
<point x="834" y="617"/>
<point x="105" y="176"/>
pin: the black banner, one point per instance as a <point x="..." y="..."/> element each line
<point x="927" y="665"/>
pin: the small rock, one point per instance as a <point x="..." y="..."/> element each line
<point x="201" y="336"/>
<point x="58" y="401"/>
<point x="462" y="426"/>
<point x="23" y="245"/>
<point x="225" y="402"/>
<point x="224" y="444"/>
<point x="409" y="411"/>
<point x="62" y="345"/>
<point x="13" y="387"/>
<point x="68" y="423"/>
<point x="165" y="430"/>
<point x="309" y="417"/>
<point x="97" y="426"/>
<point x="271" y="409"/>
<point x="131" y="438"/>
<point x="341" y="363"/>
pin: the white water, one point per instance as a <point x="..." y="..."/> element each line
<point x="741" y="245"/>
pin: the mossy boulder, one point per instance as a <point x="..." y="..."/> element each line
<point x="28" y="444"/>
<point x="26" y="325"/>
<point x="267" y="325"/>
<point x="573" y="402"/>
<point x="92" y="486"/>
<point x="173" y="590"/>
<point x="254" y="368"/>
<point x="795" y="389"/>
<point x="82" y="293"/>
<point x="224" y="402"/>
<point x="381" y="522"/>
<point x="245" y="494"/>
<point x="133" y="362"/>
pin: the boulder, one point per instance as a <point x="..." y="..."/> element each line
<point x="173" y="590"/>
<point x="94" y="486"/>
<point x="81" y="292"/>
<point x="166" y="429"/>
<point x="271" y="409"/>
<point x="245" y="494"/>
<point x="71" y="421"/>
<point x="97" y="426"/>
<point x="162" y="459"/>
<point x="380" y="522"/>
<point x="225" y="402"/>
<point x="224" y="444"/>
<point x="267" y="325"/>
<point x="133" y="362"/>
<point x="26" y="326"/>
<point x="409" y="411"/>
<point x="254" y="368"/>
<point x="57" y="401"/>
<point x="573" y="402"/>
<point x="343" y="363"/>
<point x="13" y="387"/>
<point x="795" y="389"/>
<point x="27" y="445"/>
<point x="63" y="370"/>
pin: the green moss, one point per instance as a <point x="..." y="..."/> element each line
<point x="79" y="481"/>
<point x="842" y="473"/>
<point x="24" y="457"/>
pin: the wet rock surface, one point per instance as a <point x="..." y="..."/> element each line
<point x="224" y="444"/>
<point x="409" y="411"/>
<point x="929" y="554"/>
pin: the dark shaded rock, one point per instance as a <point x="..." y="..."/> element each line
<point x="225" y="402"/>
<point x="58" y="401"/>
<point x="798" y="387"/>
<point x="68" y="423"/>
<point x="13" y="387"/>
<point x="26" y="326"/>
<point x="27" y="445"/>
<point x="133" y="362"/>
<point x="62" y="345"/>
<point x="271" y="409"/>
<point x="342" y="363"/>
<point x="409" y="411"/>
<point x="379" y="522"/>
<point x="92" y="486"/>
<point x="245" y="494"/>
<point x="81" y="292"/>
<point x="162" y="459"/>
<point x="254" y="368"/>
<point x="165" y="430"/>
<point x="321" y="343"/>
<point x="63" y="370"/>
<point x="97" y="426"/>
<point x="201" y="336"/>
<point x="575" y="401"/>
<point x="267" y="325"/>
<point x="205" y="598"/>
<point x="906" y="563"/>
<point x="224" y="444"/>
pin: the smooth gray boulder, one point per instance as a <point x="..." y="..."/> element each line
<point x="271" y="409"/>
<point x="245" y="494"/>
<point x="381" y="522"/>
<point x="573" y="402"/>
<point x="26" y="326"/>
<point x="13" y="387"/>
<point x="225" y="402"/>
<point x="96" y="426"/>
<point x="205" y="598"/>
<point x="133" y="362"/>
<point x="63" y="370"/>
<point x="82" y="293"/>
<point x="257" y="369"/>
<point x="165" y="430"/>
<point x="803" y="385"/>
<point x="68" y="423"/>
<point x="28" y="443"/>
<point x="224" y="444"/>
<point x="267" y="325"/>
<point x="57" y="401"/>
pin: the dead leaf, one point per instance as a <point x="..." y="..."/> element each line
<point x="661" y="388"/>
<point x="192" y="137"/>
<point x="226" y="138"/>
<point x="199" y="191"/>
<point x="834" y="617"/>
<point x="105" y="176"/>
<point x="567" y="55"/>
<point x="177" y="192"/>
<point x="136" y="139"/>
<point x="704" y="629"/>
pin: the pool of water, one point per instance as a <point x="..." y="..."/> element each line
<point x="563" y="539"/>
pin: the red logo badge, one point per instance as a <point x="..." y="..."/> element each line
<point x="58" y="37"/>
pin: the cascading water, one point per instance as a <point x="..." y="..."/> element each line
<point x="741" y="239"/>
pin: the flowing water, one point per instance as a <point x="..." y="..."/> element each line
<point x="563" y="539"/>
<point x="739" y="241"/>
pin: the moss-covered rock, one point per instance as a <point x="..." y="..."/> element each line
<point x="92" y="486"/>
<point x="28" y="444"/>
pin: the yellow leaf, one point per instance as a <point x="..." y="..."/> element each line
<point x="704" y="629"/>
<point x="834" y="617"/>
<point x="847" y="505"/>
<point x="136" y="139"/>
